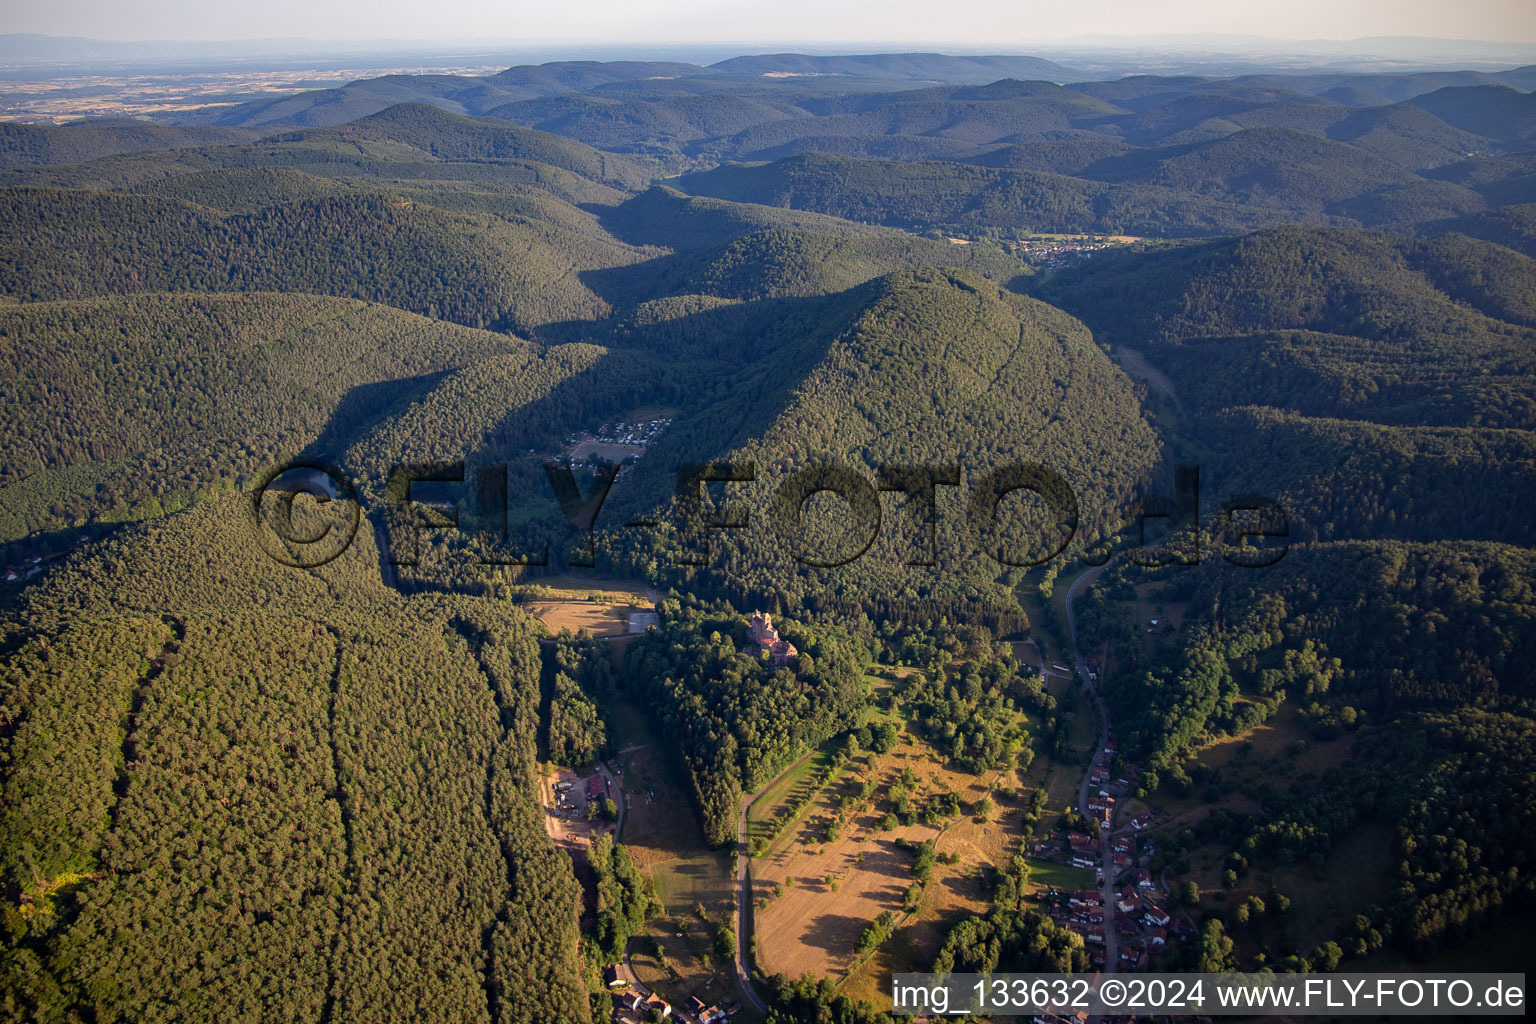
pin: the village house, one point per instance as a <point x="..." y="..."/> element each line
<point x="1089" y="917"/>
<point x="1102" y="805"/>
<point x="649" y="1002"/>
<point x="1085" y="852"/>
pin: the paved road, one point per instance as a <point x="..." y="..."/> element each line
<point x="612" y="785"/>
<point x="744" y="901"/>
<point x="744" y="889"/>
<point x="743" y="857"/>
<point x="1082" y="675"/>
<point x="387" y="571"/>
<point x="627" y="972"/>
<point x="1111" y="949"/>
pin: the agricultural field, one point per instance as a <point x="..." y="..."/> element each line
<point x="673" y="954"/>
<point x="815" y="895"/>
<point x="607" y="607"/>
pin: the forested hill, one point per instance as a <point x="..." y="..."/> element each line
<point x="408" y="142"/>
<point x="1370" y="382"/>
<point x="1450" y="291"/>
<point x="1146" y="155"/>
<point x="25" y="145"/>
<point x="1379" y="391"/>
<point x="132" y="407"/>
<point x="915" y="367"/>
<point x="969" y="199"/>
<point x="927" y="367"/>
<point x="238" y="791"/>
<point x="691" y="222"/>
<point x="1242" y="181"/>
<point x="471" y="268"/>
<point x="422" y="128"/>
<point x="239" y="794"/>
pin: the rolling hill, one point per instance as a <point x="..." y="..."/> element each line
<point x="377" y="749"/>
<point x="27" y="145"/>
<point x="469" y="268"/>
<point x="891" y="370"/>
<point x="435" y="135"/>
<point x="935" y="67"/>
<point x="103" y="396"/>
<point x="236" y="789"/>
<point x="983" y="200"/>
<point x="406" y="143"/>
<point x="785" y="262"/>
<point x="1370" y="381"/>
<point x="1278" y="167"/>
<point x="1494" y="111"/>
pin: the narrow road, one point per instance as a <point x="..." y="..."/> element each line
<point x="1111" y="949"/>
<point x="744" y="897"/>
<point x="612" y="785"/>
<point x="1165" y="386"/>
<point x="744" y="888"/>
<point x="387" y="571"/>
<point x="637" y="987"/>
<point x="1081" y="668"/>
<point x="743" y="856"/>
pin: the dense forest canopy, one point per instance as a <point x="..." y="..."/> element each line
<point x="863" y="289"/>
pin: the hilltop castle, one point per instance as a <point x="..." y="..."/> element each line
<point x="761" y="632"/>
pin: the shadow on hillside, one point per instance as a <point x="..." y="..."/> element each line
<point x="365" y="406"/>
<point x="656" y="278"/>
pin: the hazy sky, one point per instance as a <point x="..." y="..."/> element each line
<point x="995" y="24"/>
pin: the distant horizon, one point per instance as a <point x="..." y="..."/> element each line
<point x="844" y="47"/>
<point x="997" y="25"/>
<point x="1207" y="54"/>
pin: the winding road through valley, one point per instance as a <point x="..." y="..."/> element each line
<point x="1111" y="951"/>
